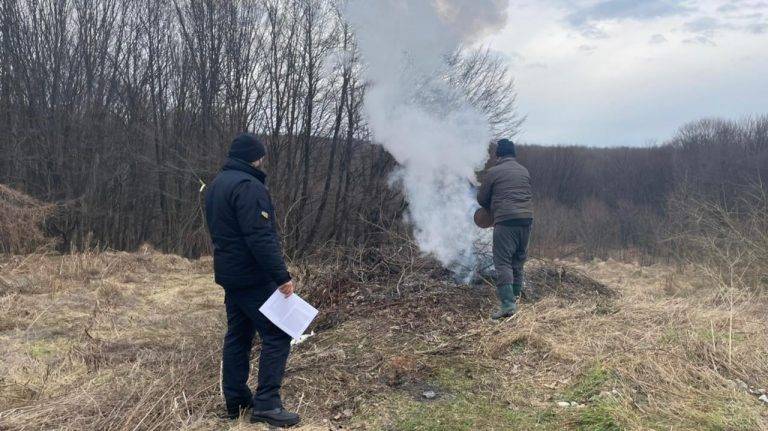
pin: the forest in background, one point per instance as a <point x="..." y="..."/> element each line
<point x="119" y="111"/>
<point x="114" y="114"/>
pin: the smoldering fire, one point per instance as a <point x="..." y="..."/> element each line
<point x="437" y="137"/>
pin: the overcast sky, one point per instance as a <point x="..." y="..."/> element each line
<point x="631" y="72"/>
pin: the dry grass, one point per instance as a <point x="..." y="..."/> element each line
<point x="132" y="341"/>
<point x="21" y="219"/>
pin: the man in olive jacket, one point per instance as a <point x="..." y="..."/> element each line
<point x="506" y="194"/>
<point x="248" y="263"/>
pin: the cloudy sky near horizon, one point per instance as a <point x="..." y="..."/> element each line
<point x="628" y="72"/>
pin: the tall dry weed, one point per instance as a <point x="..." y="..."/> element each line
<point x="21" y="219"/>
<point x="726" y="243"/>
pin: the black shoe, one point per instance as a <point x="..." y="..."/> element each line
<point x="234" y="412"/>
<point x="278" y="417"/>
<point x="504" y="313"/>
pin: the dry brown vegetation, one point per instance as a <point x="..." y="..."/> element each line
<point x="21" y="220"/>
<point x="727" y="242"/>
<point x="132" y="341"/>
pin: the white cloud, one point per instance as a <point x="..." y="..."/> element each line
<point x="657" y="66"/>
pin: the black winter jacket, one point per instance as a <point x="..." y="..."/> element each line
<point x="247" y="252"/>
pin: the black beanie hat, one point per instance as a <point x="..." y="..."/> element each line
<point x="504" y="148"/>
<point x="247" y="147"/>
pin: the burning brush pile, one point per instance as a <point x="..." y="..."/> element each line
<point x="352" y="281"/>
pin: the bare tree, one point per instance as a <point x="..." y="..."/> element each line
<point x="120" y="110"/>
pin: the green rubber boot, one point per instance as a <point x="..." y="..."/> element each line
<point x="518" y="289"/>
<point x="506" y="294"/>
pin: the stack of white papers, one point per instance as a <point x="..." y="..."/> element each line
<point x="293" y="314"/>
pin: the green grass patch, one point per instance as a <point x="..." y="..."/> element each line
<point x="458" y="414"/>
<point x="730" y="416"/>
<point x="517" y="347"/>
<point x="457" y="380"/>
<point x="546" y="416"/>
<point x="671" y="336"/>
<point x="470" y="413"/>
<point x="470" y="400"/>
<point x="600" y="416"/>
<point x="45" y="349"/>
<point x="588" y="384"/>
<point x="719" y="337"/>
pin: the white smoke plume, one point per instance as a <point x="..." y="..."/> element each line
<point x="427" y="125"/>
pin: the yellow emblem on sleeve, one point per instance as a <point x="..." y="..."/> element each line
<point x="265" y="215"/>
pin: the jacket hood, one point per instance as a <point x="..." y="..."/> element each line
<point x="233" y="164"/>
<point x="505" y="159"/>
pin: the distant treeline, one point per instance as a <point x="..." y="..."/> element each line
<point x="120" y="110"/>
<point x="597" y="201"/>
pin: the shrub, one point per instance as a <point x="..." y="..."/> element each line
<point x="21" y="219"/>
<point x="727" y="242"/>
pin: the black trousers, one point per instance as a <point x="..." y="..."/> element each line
<point x="243" y="320"/>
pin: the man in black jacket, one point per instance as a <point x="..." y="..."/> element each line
<point x="248" y="264"/>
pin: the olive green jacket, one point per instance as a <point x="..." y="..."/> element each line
<point x="506" y="191"/>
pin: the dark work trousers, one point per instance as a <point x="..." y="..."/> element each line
<point x="243" y="320"/>
<point x="510" y="250"/>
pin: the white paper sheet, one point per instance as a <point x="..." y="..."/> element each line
<point x="293" y="314"/>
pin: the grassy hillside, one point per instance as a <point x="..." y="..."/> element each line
<point x="132" y="341"/>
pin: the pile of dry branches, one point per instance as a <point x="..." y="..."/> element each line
<point x="21" y="219"/>
<point x="547" y="278"/>
<point x="352" y="281"/>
